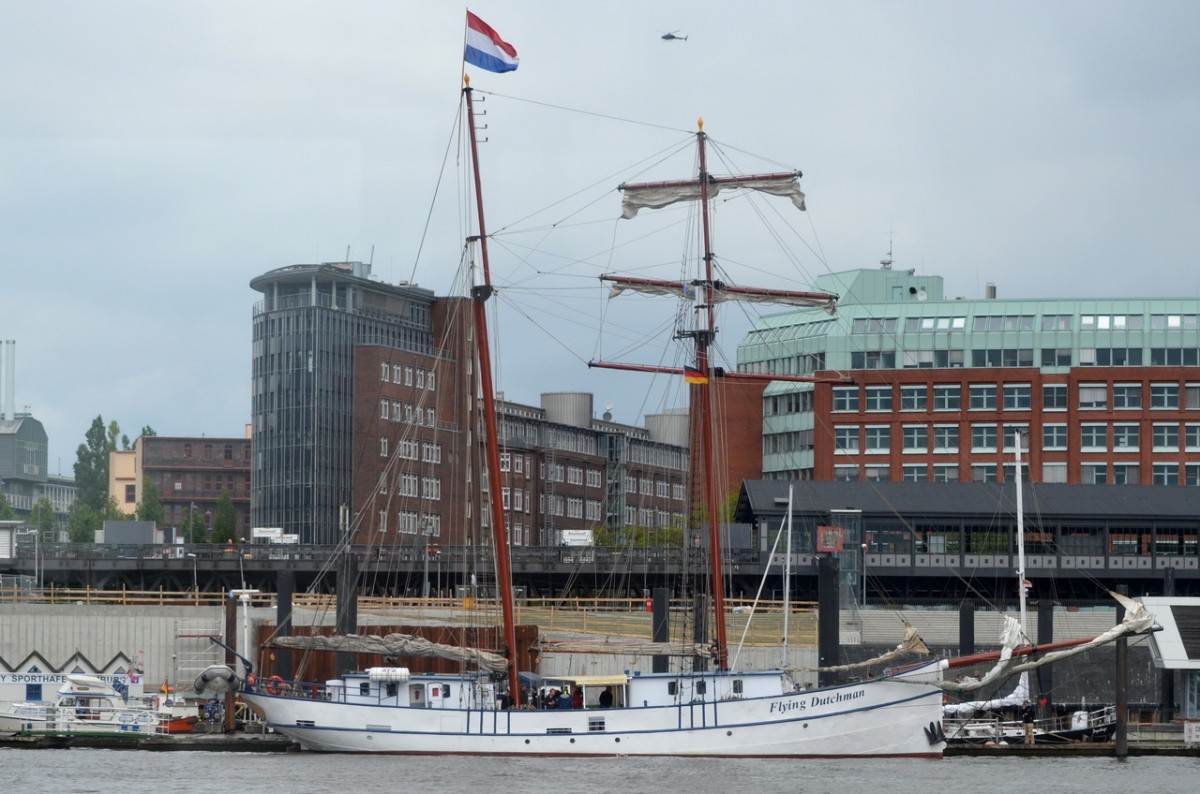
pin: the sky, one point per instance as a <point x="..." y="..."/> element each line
<point x="157" y="156"/>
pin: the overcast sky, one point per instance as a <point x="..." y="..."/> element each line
<point x="156" y="156"/>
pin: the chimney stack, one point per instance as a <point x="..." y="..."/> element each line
<point x="990" y="291"/>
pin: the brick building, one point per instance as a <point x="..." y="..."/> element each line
<point x="923" y="388"/>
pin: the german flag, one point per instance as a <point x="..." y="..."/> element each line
<point x="694" y="375"/>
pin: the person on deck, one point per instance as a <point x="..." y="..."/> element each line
<point x="1027" y="717"/>
<point x="606" y="698"/>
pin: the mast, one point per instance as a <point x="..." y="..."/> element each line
<point x="479" y="294"/>
<point x="1020" y="538"/>
<point x="702" y="392"/>
<point x="707" y="292"/>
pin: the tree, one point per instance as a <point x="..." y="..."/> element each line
<point x="6" y="510"/>
<point x="149" y="431"/>
<point x="151" y="507"/>
<point x="82" y="523"/>
<point x="225" y="521"/>
<point x="91" y="468"/>
<point x="193" y="527"/>
<point x="43" y="518"/>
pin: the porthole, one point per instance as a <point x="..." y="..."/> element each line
<point x="572" y="740"/>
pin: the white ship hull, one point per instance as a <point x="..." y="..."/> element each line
<point x="882" y="718"/>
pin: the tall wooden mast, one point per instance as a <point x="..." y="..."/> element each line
<point x="480" y="293"/>
<point x="707" y="292"/>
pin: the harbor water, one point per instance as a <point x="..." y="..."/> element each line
<point x="84" y="771"/>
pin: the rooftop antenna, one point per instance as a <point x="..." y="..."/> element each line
<point x="886" y="262"/>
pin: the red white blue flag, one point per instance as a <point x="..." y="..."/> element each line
<point x="486" y="49"/>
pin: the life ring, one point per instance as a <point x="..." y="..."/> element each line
<point x="274" y="685"/>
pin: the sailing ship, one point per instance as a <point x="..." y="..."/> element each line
<point x="706" y="710"/>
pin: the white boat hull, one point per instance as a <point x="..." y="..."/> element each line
<point x="882" y="718"/>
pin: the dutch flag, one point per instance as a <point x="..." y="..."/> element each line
<point x="486" y="49"/>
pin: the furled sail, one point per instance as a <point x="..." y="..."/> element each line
<point x="655" y="195"/>
<point x="719" y="291"/>
<point x="395" y="645"/>
<point x="910" y="644"/>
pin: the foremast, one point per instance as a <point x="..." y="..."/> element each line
<point x="708" y="292"/>
<point x="480" y="292"/>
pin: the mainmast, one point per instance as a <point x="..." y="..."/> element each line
<point x="706" y="291"/>
<point x="480" y="292"/>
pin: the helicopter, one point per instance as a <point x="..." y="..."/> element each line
<point x="673" y="36"/>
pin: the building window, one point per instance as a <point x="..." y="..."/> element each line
<point x="1018" y="396"/>
<point x="845" y="439"/>
<point x="1056" y="322"/>
<point x="983" y="439"/>
<point x="1056" y="356"/>
<point x="1192" y="396"/>
<point x="1191" y="474"/>
<point x="1166" y="437"/>
<point x="916" y="472"/>
<point x="1126" y="474"/>
<point x="914" y="398"/>
<point x="1054" y="397"/>
<point x="1191" y="437"/>
<point x="1164" y="395"/>
<point x="1054" y="437"/>
<point x="1166" y="474"/>
<point x="983" y="397"/>
<point x="384" y="372"/>
<point x="383" y="447"/>
<point x="1094" y="437"/>
<point x="1126" y="437"/>
<point x="877" y="473"/>
<point x="430" y="382"/>
<point x="879" y="398"/>
<point x="983" y="472"/>
<point x="420" y="378"/>
<point x="187" y="451"/>
<point x="1093" y="396"/>
<point x="1016" y="434"/>
<point x="845" y="398"/>
<point x="408" y="376"/>
<point x="383" y="409"/>
<point x="1094" y="473"/>
<point x="130" y="494"/>
<point x="1054" y="472"/>
<point x="879" y="439"/>
<point x="945" y="472"/>
<point x="845" y="473"/>
<point x="947" y="397"/>
<point x="916" y="438"/>
<point x="945" y="438"/>
<point x="1127" y="396"/>
<point x="396" y="370"/>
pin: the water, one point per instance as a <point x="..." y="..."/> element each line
<point x="135" y="772"/>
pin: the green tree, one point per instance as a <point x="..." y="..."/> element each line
<point x="91" y="469"/>
<point x="82" y="523"/>
<point x="151" y="507"/>
<point x="149" y="431"/>
<point x="43" y="518"/>
<point x="225" y="521"/>
<point x="193" y="527"/>
<point x="6" y="509"/>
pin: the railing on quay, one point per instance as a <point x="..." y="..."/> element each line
<point x="591" y="615"/>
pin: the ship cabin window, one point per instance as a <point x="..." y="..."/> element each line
<point x="737" y="686"/>
<point x="392" y="689"/>
<point x="672" y="688"/>
<point x="416" y="696"/>
<point x="701" y="686"/>
<point x="364" y="688"/>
